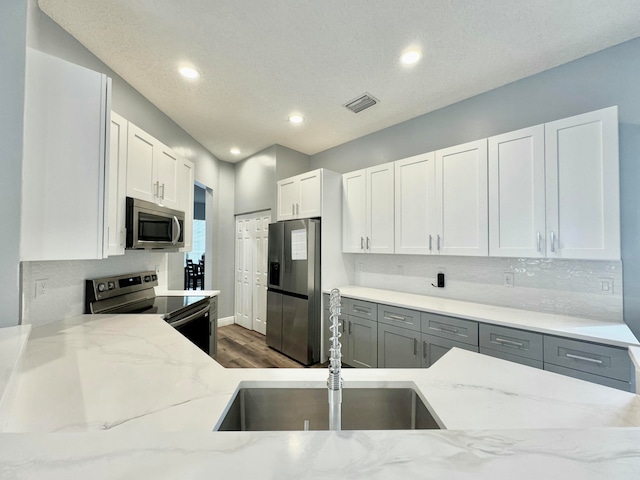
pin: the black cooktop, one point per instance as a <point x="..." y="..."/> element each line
<point x="162" y="305"/>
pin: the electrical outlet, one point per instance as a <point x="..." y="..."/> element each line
<point x="158" y="269"/>
<point x="606" y="285"/>
<point x="41" y="288"/>
<point x="508" y="279"/>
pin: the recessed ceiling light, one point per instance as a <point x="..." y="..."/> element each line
<point x="296" y="119"/>
<point x="235" y="151"/>
<point x="189" y="72"/>
<point x="410" y="57"/>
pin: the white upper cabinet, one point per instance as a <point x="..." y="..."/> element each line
<point x="152" y="169"/>
<point x="461" y="200"/>
<point x="582" y="188"/>
<point x="186" y="180"/>
<point x="368" y="210"/>
<point x="117" y="184"/>
<point x="300" y="196"/>
<point x="66" y="138"/>
<point x="415" y="204"/>
<point x="380" y="209"/>
<point x="517" y="194"/>
<point x="354" y="211"/>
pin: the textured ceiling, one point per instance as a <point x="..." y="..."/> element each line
<point x="262" y="60"/>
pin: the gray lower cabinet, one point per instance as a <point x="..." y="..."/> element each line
<point x="398" y="347"/>
<point x="363" y="342"/>
<point x="514" y="345"/>
<point x="434" y="348"/>
<point x="589" y="377"/>
<point x="456" y="329"/>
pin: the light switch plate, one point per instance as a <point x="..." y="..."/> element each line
<point x="606" y="285"/>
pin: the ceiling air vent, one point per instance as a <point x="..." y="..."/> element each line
<point x="361" y="103"/>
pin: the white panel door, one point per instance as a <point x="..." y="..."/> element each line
<point x="583" y="206"/>
<point x="310" y="204"/>
<point x="461" y="199"/>
<point x="414" y="204"/>
<point x="244" y="273"/>
<point x="517" y="194"/>
<point x="116" y="195"/>
<point x="186" y="180"/>
<point x="261" y="253"/>
<point x="354" y="211"/>
<point x="288" y="197"/>
<point x="380" y="209"/>
<point x="167" y="164"/>
<point x="142" y="149"/>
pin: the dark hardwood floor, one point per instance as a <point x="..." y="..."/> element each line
<point x="242" y="348"/>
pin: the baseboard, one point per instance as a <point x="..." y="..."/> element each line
<point x="226" y="321"/>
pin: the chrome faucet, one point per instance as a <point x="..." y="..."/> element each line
<point x="334" y="382"/>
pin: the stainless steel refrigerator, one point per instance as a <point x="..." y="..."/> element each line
<point x="293" y="296"/>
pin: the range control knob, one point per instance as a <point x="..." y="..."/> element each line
<point x="147" y="278"/>
<point x="111" y="285"/>
<point x="102" y="287"/>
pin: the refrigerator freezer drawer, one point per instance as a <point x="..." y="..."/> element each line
<point x="296" y="329"/>
<point x="274" y="320"/>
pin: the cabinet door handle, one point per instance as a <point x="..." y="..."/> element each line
<point x="430" y="243"/>
<point x="415" y="346"/>
<point x="156" y="186"/>
<point x="553" y="241"/>
<point x="368" y="247"/>
<point x="361" y="243"/>
<point x="162" y="196"/>
<point x="509" y="342"/>
<point x="586" y="359"/>
<point x="438" y="242"/>
<point x="538" y="239"/>
<point x="424" y="350"/>
<point x="349" y="327"/>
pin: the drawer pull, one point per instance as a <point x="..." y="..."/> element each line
<point x="509" y="342"/>
<point x="452" y="331"/>
<point x="586" y="359"/>
<point x="362" y="310"/>
<point x="395" y="317"/>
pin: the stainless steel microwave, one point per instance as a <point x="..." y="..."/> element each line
<point x="153" y="227"/>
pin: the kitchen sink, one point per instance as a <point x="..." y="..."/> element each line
<point x="291" y="409"/>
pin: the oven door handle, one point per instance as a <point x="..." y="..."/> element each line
<point x="182" y="321"/>
<point x="178" y="230"/>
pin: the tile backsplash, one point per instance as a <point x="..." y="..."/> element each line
<point x="565" y="287"/>
<point x="64" y="295"/>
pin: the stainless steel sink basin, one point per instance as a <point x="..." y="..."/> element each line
<point x="287" y="409"/>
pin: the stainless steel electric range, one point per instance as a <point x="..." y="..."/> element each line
<point x="134" y="293"/>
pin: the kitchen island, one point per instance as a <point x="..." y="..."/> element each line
<point x="135" y="398"/>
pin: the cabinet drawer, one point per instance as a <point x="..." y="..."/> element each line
<point x="400" y="317"/>
<point x="511" y="341"/>
<point x="362" y="309"/>
<point x="589" y="377"/>
<point x="512" y="358"/>
<point x="344" y="303"/>
<point x="592" y="358"/>
<point x="456" y="329"/>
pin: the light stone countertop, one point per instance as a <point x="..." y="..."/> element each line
<point x="616" y="334"/>
<point x="159" y="396"/>
<point x="13" y="341"/>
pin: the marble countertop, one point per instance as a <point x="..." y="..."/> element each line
<point x="616" y="334"/>
<point x="186" y="293"/>
<point x="159" y="396"/>
<point x="13" y="341"/>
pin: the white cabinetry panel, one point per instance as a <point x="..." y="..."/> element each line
<point x="186" y="178"/>
<point x="414" y="204"/>
<point x="517" y="193"/>
<point x="582" y="190"/>
<point x="461" y="199"/>
<point x="66" y="138"/>
<point x="142" y="149"/>
<point x="354" y="211"/>
<point x="300" y="196"/>
<point x="117" y="185"/>
<point x="380" y="209"/>
<point x="167" y="177"/>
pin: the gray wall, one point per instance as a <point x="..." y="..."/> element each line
<point x="47" y="36"/>
<point x="13" y="28"/>
<point x="290" y="162"/>
<point x="255" y="182"/>
<point x="610" y="77"/>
